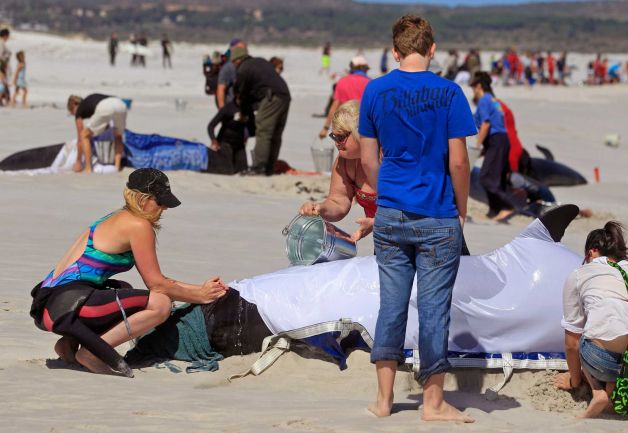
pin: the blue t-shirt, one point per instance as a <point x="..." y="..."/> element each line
<point x="413" y="115"/>
<point x="490" y="110"/>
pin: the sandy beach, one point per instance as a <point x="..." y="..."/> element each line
<point x="231" y="226"/>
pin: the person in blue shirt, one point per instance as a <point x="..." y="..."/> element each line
<point x="421" y="122"/>
<point x="493" y="137"/>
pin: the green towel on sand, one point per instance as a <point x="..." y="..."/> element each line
<point x="183" y="337"/>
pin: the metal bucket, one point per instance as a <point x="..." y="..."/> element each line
<point x="310" y="240"/>
<point x="323" y="158"/>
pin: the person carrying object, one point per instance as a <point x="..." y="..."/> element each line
<point x="80" y="302"/>
<point x="93" y="114"/>
<point x="262" y="91"/>
<point x="348" y="180"/>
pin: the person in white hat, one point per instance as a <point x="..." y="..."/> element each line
<point x="349" y="87"/>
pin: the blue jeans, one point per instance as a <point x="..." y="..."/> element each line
<point x="407" y="244"/>
<point x="602" y="364"/>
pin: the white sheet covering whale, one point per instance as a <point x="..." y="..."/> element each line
<point x="509" y="300"/>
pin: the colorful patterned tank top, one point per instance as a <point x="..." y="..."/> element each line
<point x="94" y="265"/>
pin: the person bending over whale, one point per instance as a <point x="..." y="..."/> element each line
<point x="595" y="318"/>
<point x="78" y="301"/>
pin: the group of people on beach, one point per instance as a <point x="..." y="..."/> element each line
<point x="10" y="78"/>
<point x="602" y="71"/>
<point x="403" y="158"/>
<point x="138" y="48"/>
<point x="252" y="100"/>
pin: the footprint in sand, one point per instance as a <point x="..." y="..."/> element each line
<point x="302" y="424"/>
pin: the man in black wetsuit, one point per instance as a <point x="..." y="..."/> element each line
<point x="264" y="92"/>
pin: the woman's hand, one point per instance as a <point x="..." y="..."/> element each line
<point x="310" y="209"/>
<point x="212" y="290"/>
<point x="563" y="381"/>
<point x="366" y="227"/>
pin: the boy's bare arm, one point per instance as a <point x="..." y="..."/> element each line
<point x="460" y="173"/>
<point x="369" y="154"/>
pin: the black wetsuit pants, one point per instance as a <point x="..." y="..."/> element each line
<point x="494" y="173"/>
<point x="84" y="311"/>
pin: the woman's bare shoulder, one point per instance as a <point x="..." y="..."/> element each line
<point x="128" y="220"/>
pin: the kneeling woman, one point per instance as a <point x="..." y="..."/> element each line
<point x="348" y="180"/>
<point x="595" y="304"/>
<point x="78" y="300"/>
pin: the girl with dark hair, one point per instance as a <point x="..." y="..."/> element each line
<point x="595" y="317"/>
<point x="493" y="136"/>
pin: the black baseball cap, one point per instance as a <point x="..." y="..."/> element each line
<point x="154" y="182"/>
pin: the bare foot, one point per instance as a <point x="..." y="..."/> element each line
<point x="66" y="348"/>
<point x="77" y="167"/>
<point x="95" y="365"/>
<point x="381" y="408"/>
<point x="503" y="215"/>
<point x="445" y="412"/>
<point x="599" y="402"/>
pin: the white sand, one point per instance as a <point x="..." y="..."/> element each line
<point x="231" y="226"/>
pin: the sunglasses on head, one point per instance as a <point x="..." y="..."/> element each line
<point x="338" y="139"/>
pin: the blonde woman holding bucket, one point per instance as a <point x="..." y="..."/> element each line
<point x="348" y="180"/>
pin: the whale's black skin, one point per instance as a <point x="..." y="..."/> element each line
<point x="557" y="220"/>
<point x="553" y="173"/>
<point x="30" y="159"/>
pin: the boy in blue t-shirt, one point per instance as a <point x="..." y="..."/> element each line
<point x="421" y="122"/>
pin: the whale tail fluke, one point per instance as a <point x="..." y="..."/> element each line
<point x="557" y="220"/>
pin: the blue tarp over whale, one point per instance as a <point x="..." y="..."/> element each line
<point x="164" y="153"/>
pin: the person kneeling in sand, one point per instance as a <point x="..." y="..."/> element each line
<point x="78" y="301"/>
<point x="595" y="304"/>
<point x="348" y="179"/>
<point x="93" y="115"/>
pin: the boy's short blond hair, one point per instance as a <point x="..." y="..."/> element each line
<point x="412" y="34"/>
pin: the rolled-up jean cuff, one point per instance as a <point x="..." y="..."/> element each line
<point x="439" y="367"/>
<point x="387" y="354"/>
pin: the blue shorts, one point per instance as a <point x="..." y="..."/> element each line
<point x="602" y="364"/>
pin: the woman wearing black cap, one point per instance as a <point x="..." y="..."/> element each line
<point x="79" y="301"/>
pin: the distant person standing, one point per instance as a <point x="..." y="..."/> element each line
<point x="551" y="67"/>
<point x="113" y="48"/>
<point x="19" y="80"/>
<point x="134" y="56"/>
<point x="493" y="138"/>
<point x="563" y="69"/>
<point x="143" y="43"/>
<point x="92" y="116"/>
<point x="350" y="87"/>
<point x="227" y="75"/>
<point x="326" y="58"/>
<point x="450" y="67"/>
<point x="166" y="51"/>
<point x="422" y="192"/>
<point x="5" y="58"/>
<point x="262" y="90"/>
<point x="383" y="62"/>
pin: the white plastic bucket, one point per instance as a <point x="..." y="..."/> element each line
<point x="310" y="240"/>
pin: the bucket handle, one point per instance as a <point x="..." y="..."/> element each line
<point x="285" y="231"/>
